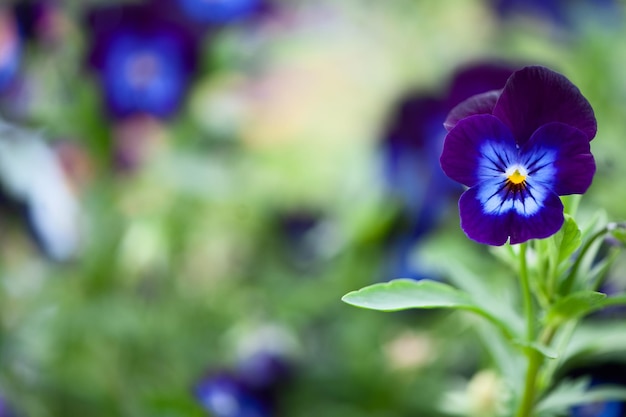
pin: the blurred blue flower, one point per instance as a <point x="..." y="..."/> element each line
<point x="264" y="371"/>
<point x="10" y="48"/>
<point x="411" y="146"/>
<point x="606" y="373"/>
<point x="145" y="60"/>
<point x="219" y="11"/>
<point x="563" y="13"/>
<point x="5" y="408"/>
<point x="225" y="395"/>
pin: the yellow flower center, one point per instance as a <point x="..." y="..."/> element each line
<point x="516" y="177"/>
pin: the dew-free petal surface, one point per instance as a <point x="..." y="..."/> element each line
<point x="534" y="96"/>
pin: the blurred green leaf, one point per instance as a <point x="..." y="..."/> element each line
<point x="568" y="239"/>
<point x="403" y="294"/>
<point x="572" y="393"/>
<point x="618" y="231"/>
<point x="543" y="349"/>
<point x="574" y="306"/>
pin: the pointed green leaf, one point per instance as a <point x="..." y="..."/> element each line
<point x="403" y="294"/>
<point x="568" y="239"/>
<point x="618" y="300"/>
<point x="618" y="231"/>
<point x="574" y="306"/>
<point x="543" y="349"/>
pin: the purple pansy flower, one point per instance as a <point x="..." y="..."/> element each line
<point x="411" y="147"/>
<point x="10" y="48"/>
<point x="145" y="59"/>
<point x="609" y="373"/>
<point x="518" y="150"/>
<point x="225" y="395"/>
<point x="219" y="11"/>
<point x="564" y="13"/>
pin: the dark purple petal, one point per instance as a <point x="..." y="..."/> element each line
<point x="477" y="149"/>
<point x="490" y="214"/>
<point x="481" y="227"/>
<point x="477" y="78"/>
<point x="479" y="104"/>
<point x="543" y="223"/>
<point x="534" y="96"/>
<point x="569" y="165"/>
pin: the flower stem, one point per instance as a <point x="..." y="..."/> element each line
<point x="534" y="357"/>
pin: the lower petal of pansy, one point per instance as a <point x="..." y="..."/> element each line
<point x="489" y="228"/>
<point x="542" y="223"/>
<point x="492" y="212"/>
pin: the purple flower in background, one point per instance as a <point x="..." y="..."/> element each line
<point x="225" y="395"/>
<point x="564" y="13"/>
<point x="219" y="11"/>
<point x="42" y="20"/>
<point x="609" y="374"/>
<point x="10" y="48"/>
<point x="411" y="146"/>
<point x="145" y="59"/>
<point x="518" y="150"/>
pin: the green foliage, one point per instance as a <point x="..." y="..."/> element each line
<point x="402" y="294"/>
<point x="574" y="306"/>
<point x="568" y="239"/>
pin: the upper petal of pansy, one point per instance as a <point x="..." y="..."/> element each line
<point x="559" y="156"/>
<point x="478" y="148"/>
<point x="534" y="96"/>
<point x="478" y="104"/>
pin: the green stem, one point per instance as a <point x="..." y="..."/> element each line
<point x="526" y="294"/>
<point x="535" y="358"/>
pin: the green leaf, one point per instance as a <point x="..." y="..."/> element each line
<point x="568" y="239"/>
<point x="618" y="300"/>
<point x="597" y="338"/>
<point x="618" y="231"/>
<point x="403" y="294"/>
<point x="543" y="349"/>
<point x="574" y="306"/>
<point x="573" y="393"/>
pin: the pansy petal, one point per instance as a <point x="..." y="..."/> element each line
<point x="559" y="156"/>
<point x="491" y="214"/>
<point x="534" y="96"/>
<point x="477" y="149"/>
<point x="490" y="229"/>
<point x="479" y="104"/>
<point x="540" y="223"/>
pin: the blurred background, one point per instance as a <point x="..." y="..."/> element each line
<point x="188" y="187"/>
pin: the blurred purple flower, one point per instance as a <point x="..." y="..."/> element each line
<point x="225" y="395"/>
<point x="42" y="20"/>
<point x="609" y="373"/>
<point x="144" y="59"/>
<point x="518" y="150"/>
<point x="411" y="147"/>
<point x="564" y="13"/>
<point x="219" y="11"/>
<point x="264" y="371"/>
<point x="10" y="48"/>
